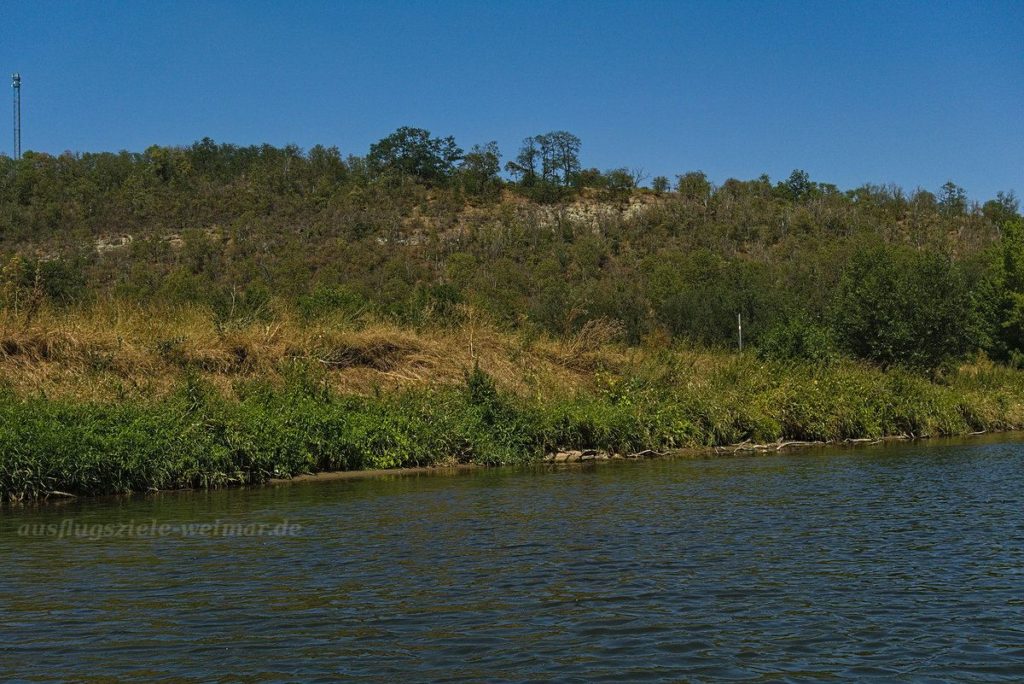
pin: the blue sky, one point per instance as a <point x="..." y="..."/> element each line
<point x="852" y="92"/>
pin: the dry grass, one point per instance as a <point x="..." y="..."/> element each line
<point x="108" y="401"/>
<point x="114" y="351"/>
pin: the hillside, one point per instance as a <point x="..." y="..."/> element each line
<point x="233" y="228"/>
<point x="215" y="314"/>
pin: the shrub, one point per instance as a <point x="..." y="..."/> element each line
<point x="798" y="339"/>
<point x="334" y="301"/>
<point x="896" y="306"/>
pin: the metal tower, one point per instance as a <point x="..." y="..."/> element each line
<point x="16" y="84"/>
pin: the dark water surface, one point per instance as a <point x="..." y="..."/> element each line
<point x="893" y="562"/>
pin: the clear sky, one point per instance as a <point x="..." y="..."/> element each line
<point x="852" y="92"/>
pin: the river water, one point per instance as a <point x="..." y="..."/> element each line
<point x="895" y="562"/>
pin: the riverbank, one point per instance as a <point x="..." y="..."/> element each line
<point x="93" y="409"/>
<point x="549" y="463"/>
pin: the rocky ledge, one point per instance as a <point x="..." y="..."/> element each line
<point x="585" y="455"/>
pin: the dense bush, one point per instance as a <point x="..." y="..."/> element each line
<point x="799" y="339"/>
<point x="1006" y="290"/>
<point x="899" y="306"/>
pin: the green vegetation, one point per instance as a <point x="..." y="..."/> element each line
<point x="195" y="437"/>
<point x="418" y="226"/>
<point x="900" y="306"/>
<point x="213" y="314"/>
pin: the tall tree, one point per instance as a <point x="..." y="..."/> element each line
<point x="565" y="153"/>
<point x="952" y="199"/>
<point x="480" y="167"/>
<point x="1001" y="209"/>
<point x="524" y="167"/>
<point x="556" y="153"/>
<point x="413" y="152"/>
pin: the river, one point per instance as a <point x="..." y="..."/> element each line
<point x="893" y="562"/>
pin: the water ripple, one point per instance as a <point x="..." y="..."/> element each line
<point x="891" y="563"/>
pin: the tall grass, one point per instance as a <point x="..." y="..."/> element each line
<point x="201" y="436"/>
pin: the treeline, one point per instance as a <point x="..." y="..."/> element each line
<point x="424" y="232"/>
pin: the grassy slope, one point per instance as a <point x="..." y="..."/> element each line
<point x="118" y="399"/>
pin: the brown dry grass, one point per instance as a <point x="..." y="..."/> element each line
<point x="116" y="351"/>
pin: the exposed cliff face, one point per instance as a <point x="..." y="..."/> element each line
<point x="582" y="214"/>
<point x="592" y="212"/>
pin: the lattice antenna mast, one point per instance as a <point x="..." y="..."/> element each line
<point x="16" y="85"/>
